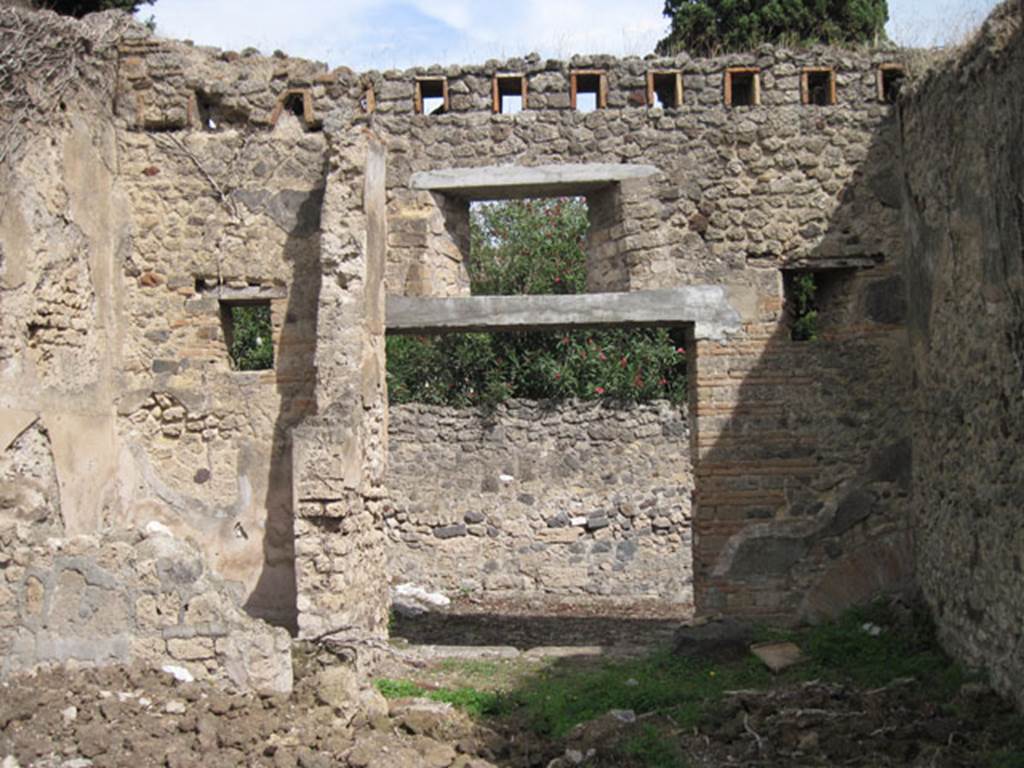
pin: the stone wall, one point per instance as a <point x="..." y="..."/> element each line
<point x="964" y="214"/>
<point x="169" y="181"/>
<point x="799" y="510"/>
<point x="130" y="598"/>
<point x="542" y="500"/>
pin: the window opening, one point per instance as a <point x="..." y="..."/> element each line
<point x="817" y="300"/>
<point x="368" y="103"/>
<point x="211" y="114"/>
<point x="665" y="89"/>
<point x="534" y="246"/>
<point x="297" y="102"/>
<point x="248" y="333"/>
<point x="890" y="82"/>
<point x="294" y="104"/>
<point x="588" y="90"/>
<point x="431" y="96"/>
<point x="742" y="87"/>
<point x="818" y="87"/>
<point x="509" y="94"/>
<point x="800" y="291"/>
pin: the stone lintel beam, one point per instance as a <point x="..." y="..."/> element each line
<point x="708" y="307"/>
<point x="250" y="293"/>
<point x="500" y="182"/>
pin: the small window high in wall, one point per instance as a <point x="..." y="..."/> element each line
<point x="742" y="87"/>
<point x="890" y="81"/>
<point x="818" y="86"/>
<point x="431" y="95"/>
<point x="509" y="92"/>
<point x="249" y="334"/>
<point x="665" y="89"/>
<point x="588" y="90"/>
<point x="297" y="102"/>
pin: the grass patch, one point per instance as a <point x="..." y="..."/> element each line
<point x="561" y="697"/>
<point x="470" y="700"/>
<point x="650" y="747"/>
<point x="865" y="648"/>
<point x="845" y="651"/>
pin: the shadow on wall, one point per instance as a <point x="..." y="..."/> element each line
<point x="802" y="451"/>
<point x="274" y="596"/>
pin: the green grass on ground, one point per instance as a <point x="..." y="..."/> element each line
<point x="550" y="700"/>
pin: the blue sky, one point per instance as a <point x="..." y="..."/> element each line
<point x="384" y="34"/>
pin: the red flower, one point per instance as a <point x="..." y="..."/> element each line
<point x="558" y="376"/>
<point x="599" y="390"/>
<point x="680" y="351"/>
<point x="602" y="356"/>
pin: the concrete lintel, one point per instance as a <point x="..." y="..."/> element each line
<point x="707" y="307"/>
<point x="499" y="182"/>
<point x="251" y="293"/>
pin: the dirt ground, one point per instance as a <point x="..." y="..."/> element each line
<point x="630" y="704"/>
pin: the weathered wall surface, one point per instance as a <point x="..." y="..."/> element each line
<point x="965" y="211"/>
<point x="542" y="500"/>
<point x="801" y="458"/>
<point x="196" y="177"/>
<point x="62" y="229"/>
<point x="129" y="598"/>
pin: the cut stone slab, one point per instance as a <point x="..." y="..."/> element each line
<point x="778" y="656"/>
<point x="501" y="182"/>
<point x="712" y="309"/>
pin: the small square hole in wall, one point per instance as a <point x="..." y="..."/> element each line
<point x="665" y="89"/>
<point x="800" y="291"/>
<point x="368" y="103"/>
<point x="818" y="87"/>
<point x="431" y="96"/>
<point x="588" y="91"/>
<point x="509" y="94"/>
<point x="890" y="82"/>
<point x="294" y="103"/>
<point x="249" y="334"/>
<point x="742" y="87"/>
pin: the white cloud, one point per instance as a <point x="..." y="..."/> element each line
<point x="382" y="34"/>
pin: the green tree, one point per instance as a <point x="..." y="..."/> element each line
<point x="707" y="27"/>
<point x="534" y="247"/>
<point x="79" y="8"/>
<point x="251" y="342"/>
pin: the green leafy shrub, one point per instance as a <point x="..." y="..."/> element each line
<point x="534" y="247"/>
<point x="251" y="337"/>
<point x="803" y="308"/>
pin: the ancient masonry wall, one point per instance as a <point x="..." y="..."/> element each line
<point x="171" y="181"/>
<point x="801" y="456"/>
<point x="576" y="499"/>
<point x="130" y="598"/>
<point x="81" y="583"/>
<point x="964" y="213"/>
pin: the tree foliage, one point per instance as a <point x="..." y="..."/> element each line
<point x="251" y="346"/>
<point x="79" y="8"/>
<point x="707" y="27"/>
<point x="531" y="247"/>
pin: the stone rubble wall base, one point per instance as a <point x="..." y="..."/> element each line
<point x="130" y="598"/>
